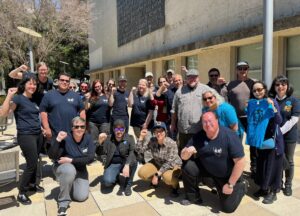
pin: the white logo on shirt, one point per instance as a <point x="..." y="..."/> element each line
<point x="71" y="100"/>
<point x="217" y="151"/>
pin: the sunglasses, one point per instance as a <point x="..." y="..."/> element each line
<point x="119" y="129"/>
<point x="64" y="80"/>
<point x="242" y="68"/>
<point x="72" y="87"/>
<point x="79" y="126"/>
<point x="258" y="90"/>
<point x="208" y="98"/>
<point x="280" y="84"/>
<point x="213" y="75"/>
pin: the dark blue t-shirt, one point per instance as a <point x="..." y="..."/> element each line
<point x="290" y="106"/>
<point x="217" y="155"/>
<point x="61" y="109"/>
<point x="120" y="104"/>
<point x="140" y="109"/>
<point x="26" y="115"/>
<point x="42" y="88"/>
<point x="100" y="110"/>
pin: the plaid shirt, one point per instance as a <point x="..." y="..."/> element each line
<point x="165" y="156"/>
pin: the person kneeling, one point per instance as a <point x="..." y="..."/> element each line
<point x="71" y="153"/>
<point x="165" y="162"/>
<point x="119" y="150"/>
<point x="214" y="152"/>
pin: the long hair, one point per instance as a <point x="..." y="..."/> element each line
<point x="40" y="64"/>
<point x="281" y="79"/>
<point x="22" y="83"/>
<point x="264" y="86"/>
<point x="94" y="94"/>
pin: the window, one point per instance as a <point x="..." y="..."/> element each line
<point x="97" y="76"/>
<point x="253" y="55"/>
<point x="170" y="64"/>
<point x="192" y="62"/>
<point x="111" y="74"/>
<point x="293" y="63"/>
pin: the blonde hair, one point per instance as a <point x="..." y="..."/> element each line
<point x="40" y="64"/>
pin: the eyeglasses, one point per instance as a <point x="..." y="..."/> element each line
<point x="242" y="68"/>
<point x="208" y="98"/>
<point x="213" y="75"/>
<point x="257" y="90"/>
<point x="64" y="80"/>
<point x="72" y="87"/>
<point x="280" y="84"/>
<point x="79" y="126"/>
<point x="83" y="87"/>
<point x="119" y="129"/>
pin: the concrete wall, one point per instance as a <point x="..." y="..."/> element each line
<point x="186" y="21"/>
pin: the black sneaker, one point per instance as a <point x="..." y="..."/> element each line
<point x="174" y="192"/>
<point x="128" y="191"/>
<point x="37" y="188"/>
<point x="187" y="202"/>
<point x="270" y="198"/>
<point x="24" y="199"/>
<point x="287" y="191"/>
<point x="62" y="211"/>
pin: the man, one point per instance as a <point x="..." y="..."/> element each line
<point x="237" y="93"/>
<point x="187" y="107"/>
<point x="59" y="107"/>
<point x="120" y="158"/>
<point x="72" y="152"/>
<point x="118" y="100"/>
<point x="151" y="85"/>
<point x="45" y="83"/>
<point x="177" y="83"/>
<point x="217" y="153"/>
<point x="215" y="81"/>
<point x="170" y="74"/>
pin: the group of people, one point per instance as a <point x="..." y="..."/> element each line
<point x="183" y="130"/>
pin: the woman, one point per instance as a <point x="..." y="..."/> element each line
<point x="290" y="111"/>
<point x="226" y="113"/>
<point x="109" y="85"/>
<point x="98" y="111"/>
<point x="73" y="86"/>
<point x="119" y="151"/>
<point x="142" y="110"/>
<point x="263" y="121"/>
<point x="165" y="162"/>
<point x="29" y="134"/>
<point x="71" y="153"/>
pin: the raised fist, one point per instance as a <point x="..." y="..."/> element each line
<point x="61" y="136"/>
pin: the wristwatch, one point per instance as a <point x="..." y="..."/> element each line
<point x="230" y="185"/>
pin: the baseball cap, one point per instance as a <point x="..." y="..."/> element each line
<point x="170" y="71"/>
<point x="148" y="73"/>
<point x="159" y="124"/>
<point x="122" y="78"/>
<point x="119" y="122"/>
<point x="242" y="63"/>
<point x="192" y="72"/>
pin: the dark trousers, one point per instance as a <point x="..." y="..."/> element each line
<point x="30" y="146"/>
<point x="183" y="140"/>
<point x="111" y="173"/>
<point x="289" y="153"/>
<point x="193" y="171"/>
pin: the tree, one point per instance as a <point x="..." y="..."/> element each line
<point x="64" y="28"/>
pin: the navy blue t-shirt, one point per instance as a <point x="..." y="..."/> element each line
<point x="140" y="109"/>
<point x="61" y="109"/>
<point x="100" y="110"/>
<point x="289" y="106"/>
<point x="42" y="88"/>
<point x="120" y="104"/>
<point x="217" y="155"/>
<point x="26" y="115"/>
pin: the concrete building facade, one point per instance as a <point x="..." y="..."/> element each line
<point x="199" y="34"/>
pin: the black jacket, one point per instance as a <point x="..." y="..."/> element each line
<point x="126" y="148"/>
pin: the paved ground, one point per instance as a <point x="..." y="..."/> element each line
<point x="144" y="200"/>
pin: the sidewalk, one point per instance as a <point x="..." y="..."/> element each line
<point x="144" y="200"/>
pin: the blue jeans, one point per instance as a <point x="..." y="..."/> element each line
<point x="112" y="172"/>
